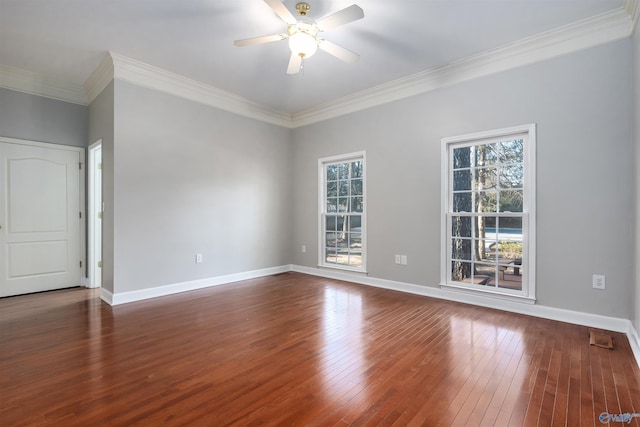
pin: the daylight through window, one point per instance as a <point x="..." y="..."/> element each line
<point x="489" y="211"/>
<point x="342" y="210"/>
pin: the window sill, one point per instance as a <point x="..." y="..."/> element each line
<point x="488" y="293"/>
<point x="341" y="268"/>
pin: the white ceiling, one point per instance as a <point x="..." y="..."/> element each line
<point x="65" y="40"/>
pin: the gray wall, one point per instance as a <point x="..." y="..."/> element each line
<point x="180" y="177"/>
<point x="101" y="126"/>
<point x="582" y="106"/>
<point x="193" y="179"/>
<point x="35" y="118"/>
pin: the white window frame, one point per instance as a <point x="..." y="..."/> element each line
<point x="322" y="163"/>
<point x="528" y="292"/>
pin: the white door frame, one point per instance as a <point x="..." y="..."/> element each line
<point x="94" y="207"/>
<point x="81" y="208"/>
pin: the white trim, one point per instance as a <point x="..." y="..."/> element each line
<point x="632" y="7"/>
<point x="35" y="84"/>
<point x="562" y="315"/>
<point x="339" y="158"/>
<point x="159" y="291"/>
<point x="603" y="28"/>
<point x="489" y="292"/>
<point x="83" y="203"/>
<point x="118" y="67"/>
<point x="634" y="341"/>
<point x="322" y="162"/>
<point x="444" y="201"/>
<point x="497" y="133"/>
<point x="99" y="79"/>
<point x="81" y="194"/>
<point x="41" y="144"/>
<point x="575" y="317"/>
<point x="552" y="313"/>
<point x="593" y="31"/>
<point x="344" y="268"/>
<point x="528" y="215"/>
<point x="106" y="296"/>
<point x="91" y="215"/>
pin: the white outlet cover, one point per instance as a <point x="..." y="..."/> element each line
<point x="599" y="281"/>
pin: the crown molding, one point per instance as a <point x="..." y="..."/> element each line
<point x="632" y="7"/>
<point x="142" y="74"/>
<point x="604" y="28"/>
<point x="119" y="67"/>
<point x="100" y="78"/>
<point x="35" y="84"/>
<point x="590" y="32"/>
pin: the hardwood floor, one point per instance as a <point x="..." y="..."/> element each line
<point x="293" y="349"/>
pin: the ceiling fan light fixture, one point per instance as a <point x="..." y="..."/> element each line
<point x="303" y="35"/>
<point x="303" y="44"/>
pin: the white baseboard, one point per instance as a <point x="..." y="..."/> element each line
<point x="634" y="341"/>
<point x="159" y="291"/>
<point x="106" y="296"/>
<point x="579" y="318"/>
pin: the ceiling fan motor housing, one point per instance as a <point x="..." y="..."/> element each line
<point x="303" y="8"/>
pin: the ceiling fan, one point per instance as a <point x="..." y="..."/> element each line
<point x="303" y="34"/>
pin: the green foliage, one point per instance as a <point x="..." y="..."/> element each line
<point x="510" y="250"/>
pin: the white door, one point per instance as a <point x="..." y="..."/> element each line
<point x="39" y="218"/>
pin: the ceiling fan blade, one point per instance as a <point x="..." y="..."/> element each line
<point x="295" y="62"/>
<point x="341" y="17"/>
<point x="338" y="51"/>
<point x="281" y="10"/>
<point x="258" y="40"/>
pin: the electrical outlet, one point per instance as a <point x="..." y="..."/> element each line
<point x="403" y="259"/>
<point x="198" y="258"/>
<point x="303" y="249"/>
<point x="398" y="259"/>
<point x="598" y="281"/>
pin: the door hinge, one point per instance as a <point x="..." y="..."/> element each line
<point x="80" y="165"/>
<point x="99" y="264"/>
<point x="80" y="215"/>
<point x="80" y="264"/>
<point x="99" y="165"/>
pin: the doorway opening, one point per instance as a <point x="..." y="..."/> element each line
<point x="95" y="215"/>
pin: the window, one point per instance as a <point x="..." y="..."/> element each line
<point x="489" y="207"/>
<point x="342" y="212"/>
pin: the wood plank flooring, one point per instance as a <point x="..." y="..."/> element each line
<point x="293" y="349"/>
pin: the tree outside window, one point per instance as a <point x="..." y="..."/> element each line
<point x="342" y="212"/>
<point x="488" y="211"/>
